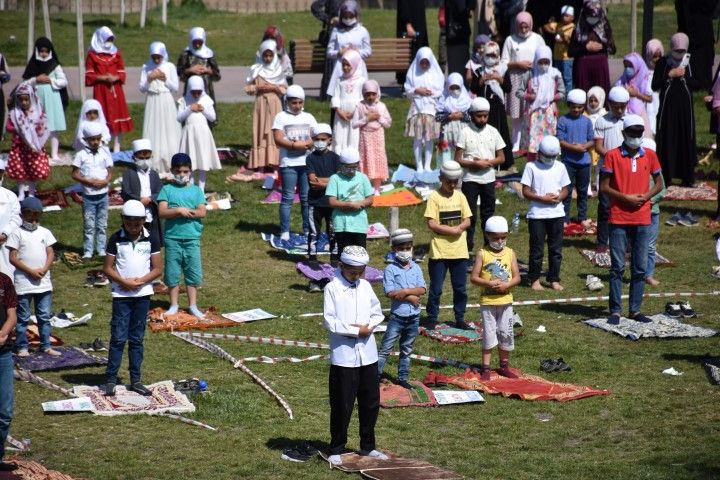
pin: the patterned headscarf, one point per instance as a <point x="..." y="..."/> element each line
<point x="30" y="124"/>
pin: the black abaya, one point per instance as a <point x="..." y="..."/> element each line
<point x="412" y="12"/>
<point x="497" y="117"/>
<point x="457" y="28"/>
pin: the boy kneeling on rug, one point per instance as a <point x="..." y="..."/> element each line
<point x="132" y="263"/>
<point x="351" y="313"/>
<point x="404" y="284"/>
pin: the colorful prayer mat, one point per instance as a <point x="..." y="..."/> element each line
<point x="275" y="196"/>
<point x="662" y="326"/>
<point x="53" y="198"/>
<point x="392" y="396"/>
<point x="703" y="191"/>
<point x="160" y="322"/>
<point x="34" y="337"/>
<point x="71" y="358"/>
<point x="325" y="272"/>
<point x="448" y="334"/>
<point x="526" y="387"/>
<point x="398" y="197"/>
<point x="30" y="470"/>
<point x="164" y="398"/>
<point x="579" y="230"/>
<point x="394" y="468"/>
<point x="603" y="259"/>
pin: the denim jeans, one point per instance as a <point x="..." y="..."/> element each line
<point x="652" y="244"/>
<point x="437" y="269"/>
<point x="486" y="193"/>
<point x="95" y="215"/>
<point x="405" y="328"/>
<point x="129" y="316"/>
<point x="43" y="314"/>
<point x="6" y="397"/>
<point x="637" y="237"/>
<point x="580" y="177"/>
<point x="292" y="177"/>
<point x="540" y="230"/>
<point x="566" y="69"/>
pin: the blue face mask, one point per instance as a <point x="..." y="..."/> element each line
<point x="629" y="72"/>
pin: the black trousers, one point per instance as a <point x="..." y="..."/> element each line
<point x="345" y="239"/>
<point x="486" y="193"/>
<point x="540" y="230"/>
<point x="318" y="215"/>
<point x="603" y="220"/>
<point x="346" y="384"/>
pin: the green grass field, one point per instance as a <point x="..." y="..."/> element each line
<point x="653" y="426"/>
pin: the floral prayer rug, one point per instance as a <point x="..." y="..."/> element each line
<point x="164" y="398"/>
<point x="161" y="322"/>
<point x="392" y="396"/>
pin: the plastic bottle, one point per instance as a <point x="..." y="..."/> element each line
<point x="515" y="224"/>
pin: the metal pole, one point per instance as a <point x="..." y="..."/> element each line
<point x="648" y="7"/>
<point x="81" y="48"/>
<point x="143" y="13"/>
<point x="31" y="28"/>
<point x="164" y="11"/>
<point x="46" y="19"/>
<point x="633" y="26"/>
<point x="122" y="12"/>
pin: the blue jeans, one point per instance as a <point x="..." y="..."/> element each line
<point x="566" y="69"/>
<point x="580" y="177"/>
<point x="6" y="397"/>
<point x="43" y="314"/>
<point x="405" y="328"/>
<point x="637" y="237"/>
<point x="95" y="215"/>
<point x="291" y="177"/>
<point x="652" y="244"/>
<point x="127" y="325"/>
<point x="437" y="269"/>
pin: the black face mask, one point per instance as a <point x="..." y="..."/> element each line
<point x="479" y="125"/>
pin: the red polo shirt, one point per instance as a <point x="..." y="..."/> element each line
<point x="630" y="175"/>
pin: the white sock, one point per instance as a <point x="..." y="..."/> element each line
<point x="54" y="145"/>
<point x="428" y="155"/>
<point x="285" y="236"/>
<point x="417" y="152"/>
<point x="201" y="178"/>
<point x="116" y="143"/>
<point x="22" y="187"/>
<point x="31" y="189"/>
<point x="516" y="133"/>
<point x="335" y="459"/>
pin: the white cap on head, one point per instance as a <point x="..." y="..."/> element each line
<point x="577" y="96"/>
<point x="496" y="224"/>
<point x="349" y="156"/>
<point x="321" y="128"/>
<point x="479" y="104"/>
<point x="632" y="120"/>
<point x="619" y="95"/>
<point x="133" y="208"/>
<point x="567" y="10"/>
<point x="295" y="91"/>
<point x="355" y="256"/>
<point x="141" y="144"/>
<point x="451" y="170"/>
<point x="401" y="235"/>
<point x="549" y="146"/>
<point x="91" y="129"/>
<point x="649" y="143"/>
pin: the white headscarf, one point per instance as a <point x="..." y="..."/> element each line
<point x="543" y="83"/>
<point x="198" y="33"/>
<point x="194" y="83"/>
<point x="101" y="35"/>
<point x="156" y="48"/>
<point x="273" y="72"/>
<point x="451" y="104"/>
<point x="90" y="104"/>
<point x="432" y="78"/>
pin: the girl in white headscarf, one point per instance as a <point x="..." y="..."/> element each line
<point x="452" y="109"/>
<point x="345" y="99"/>
<point x="195" y="111"/>
<point x="159" y="81"/>
<point x="91" y="111"/>
<point x="199" y="59"/>
<point x="424" y="86"/>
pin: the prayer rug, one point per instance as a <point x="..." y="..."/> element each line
<point x="603" y="259"/>
<point x="160" y="322"/>
<point x="712" y="365"/>
<point x="71" y="358"/>
<point x="324" y="271"/>
<point x="392" y="396"/>
<point x="275" y="196"/>
<point x="448" y="334"/>
<point x="115" y="200"/>
<point x="703" y="191"/>
<point x="232" y="154"/>
<point x="164" y="398"/>
<point x="526" y="387"/>
<point x="398" y="197"/>
<point x="579" y="230"/>
<point x="662" y="326"/>
<point x="53" y="198"/>
<point x="30" y="470"/>
<point x="34" y="337"/>
<point x="394" y="468"/>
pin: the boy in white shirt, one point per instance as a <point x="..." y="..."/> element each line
<point x="31" y="254"/>
<point x="92" y="167"/>
<point x="351" y="313"/>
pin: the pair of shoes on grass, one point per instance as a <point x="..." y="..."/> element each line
<point x="97" y="345"/>
<point x="681" y="309"/>
<point x="300" y="453"/>
<point x="685" y="219"/>
<point x="549" y="365"/>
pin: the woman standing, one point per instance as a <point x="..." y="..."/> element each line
<point x="457" y="30"/>
<point x="349" y="34"/>
<point x="590" y="46"/>
<point x="411" y="23"/>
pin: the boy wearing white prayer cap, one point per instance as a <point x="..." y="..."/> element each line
<point x="143" y="183"/>
<point x="351" y="312"/>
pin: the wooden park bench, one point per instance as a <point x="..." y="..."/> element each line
<point x="388" y="55"/>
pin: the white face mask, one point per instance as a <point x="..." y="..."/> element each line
<point x="633" y="142"/>
<point x="455" y="93"/>
<point x="108" y="45"/>
<point x="526" y="34"/>
<point x="404" y="256"/>
<point x="320" y="145"/>
<point x="499" y="245"/>
<point x="349" y="22"/>
<point x="544" y="67"/>
<point x="546" y="160"/>
<point x="181" y="179"/>
<point x="491" y="61"/>
<point x="143" y="165"/>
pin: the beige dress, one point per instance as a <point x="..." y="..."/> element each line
<point x="264" y="152"/>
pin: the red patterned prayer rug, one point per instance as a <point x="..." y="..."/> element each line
<point x="27" y="469"/>
<point x="160" y="322"/>
<point x="527" y="387"/>
<point x="703" y="191"/>
<point x="392" y="396"/>
<point x="394" y="468"/>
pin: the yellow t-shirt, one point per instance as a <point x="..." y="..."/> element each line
<point x="496" y="265"/>
<point x="448" y="211"/>
<point x="560" y="51"/>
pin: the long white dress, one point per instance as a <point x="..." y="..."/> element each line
<point x="346" y="97"/>
<point x="160" y="125"/>
<point x="197" y="138"/>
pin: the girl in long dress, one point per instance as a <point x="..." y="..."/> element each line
<point x="345" y="99"/>
<point x="452" y="109"/>
<point x="634" y="79"/>
<point x="372" y="118"/>
<point x="159" y="81"/>
<point x="348" y="34"/>
<point x="91" y="111"/>
<point x="43" y="71"/>
<point x="195" y="111"/>
<point x="654" y="51"/>
<point x="199" y="59"/>
<point x="105" y="72"/>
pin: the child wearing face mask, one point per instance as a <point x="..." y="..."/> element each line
<point x="347" y="34"/>
<point x="404" y="284"/>
<point x="452" y="111"/>
<point x="182" y="205"/>
<point x="372" y="118"/>
<point x="496" y="271"/>
<point x="348" y="94"/>
<point x="143" y="183"/>
<point x="634" y="79"/>
<point x="92" y="168"/>
<point x="545" y="183"/>
<point x="476" y="59"/>
<point x="31" y="254"/>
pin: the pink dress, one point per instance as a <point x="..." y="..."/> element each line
<point x="373" y="159"/>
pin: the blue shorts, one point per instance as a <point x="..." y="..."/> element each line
<point x="183" y="256"/>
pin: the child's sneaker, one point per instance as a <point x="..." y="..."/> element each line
<point x="23" y="352"/>
<point x="673" y="221"/>
<point x="673" y="310"/>
<point x="52" y="352"/>
<point x="90" y="279"/>
<point x="686" y="309"/>
<point x="689" y="220"/>
<point x="100" y="280"/>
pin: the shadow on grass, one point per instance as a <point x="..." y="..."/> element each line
<point x="245" y="226"/>
<point x="584" y="311"/>
<point x="581" y="242"/>
<point x="281" y="443"/>
<point x="84" y="378"/>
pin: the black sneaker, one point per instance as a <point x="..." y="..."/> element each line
<point x="138" y="387"/>
<point x="405" y="384"/>
<point x="561" y="366"/>
<point x="686" y="310"/>
<point x="99" y="346"/>
<point x="314" y="287"/>
<point x="300" y="453"/>
<point x="463" y="326"/>
<point x="85" y="346"/>
<point x="90" y="279"/>
<point x="109" y="390"/>
<point x="673" y="310"/>
<point x="100" y="280"/>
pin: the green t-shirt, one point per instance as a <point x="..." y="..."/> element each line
<point x="189" y="196"/>
<point x="351" y="189"/>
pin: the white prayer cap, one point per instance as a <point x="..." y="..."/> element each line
<point x="619" y="95"/>
<point x="401" y="235"/>
<point x="496" y="224"/>
<point x="91" y="129"/>
<point x="355" y="256"/>
<point x="295" y="91"/>
<point x="549" y="146"/>
<point x="195" y="83"/>
<point x="479" y="104"/>
<point x="567" y="10"/>
<point x="649" y="143"/>
<point x="141" y="144"/>
<point x="451" y="170"/>
<point x="632" y="120"/>
<point x="577" y="96"/>
<point x="133" y="208"/>
<point x="349" y="156"/>
<point x="321" y="128"/>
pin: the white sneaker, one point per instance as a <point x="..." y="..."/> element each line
<point x="335" y="460"/>
<point x="23" y="352"/>
<point x="375" y="454"/>
<point x="52" y="352"/>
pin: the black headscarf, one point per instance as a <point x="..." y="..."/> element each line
<point x="37" y="67"/>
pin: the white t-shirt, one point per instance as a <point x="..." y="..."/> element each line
<point x="32" y="251"/>
<point x="132" y="260"/>
<point x="479" y="144"/>
<point x="296" y="128"/>
<point x="610" y="130"/>
<point x="544" y="179"/>
<point x="93" y="166"/>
